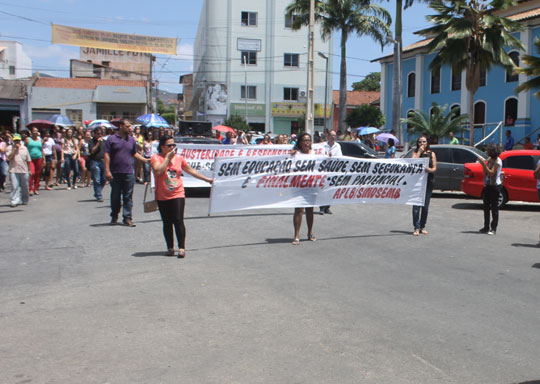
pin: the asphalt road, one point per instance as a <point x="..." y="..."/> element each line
<point x="85" y="302"/>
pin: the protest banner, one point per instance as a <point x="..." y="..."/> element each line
<point x="308" y="181"/>
<point x="201" y="156"/>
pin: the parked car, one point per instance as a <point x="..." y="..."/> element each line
<point x="355" y="149"/>
<point x="450" y="164"/>
<point x="195" y="140"/>
<point x="517" y="171"/>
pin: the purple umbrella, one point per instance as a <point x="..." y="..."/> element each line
<point x="385" y="136"/>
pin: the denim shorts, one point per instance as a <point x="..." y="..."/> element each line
<point x="49" y="159"/>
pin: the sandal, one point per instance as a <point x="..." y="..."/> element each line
<point x="423" y="231"/>
<point x="416" y="232"/>
<point x="311" y="237"/>
<point x="170" y="252"/>
<point x="296" y="241"/>
<point x="181" y="253"/>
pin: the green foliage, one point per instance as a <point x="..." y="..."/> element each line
<point x="436" y="126"/>
<point x="237" y="122"/>
<point x="161" y="109"/>
<point x="169" y="116"/>
<point x="365" y="116"/>
<point x="532" y="68"/>
<point x="372" y="82"/>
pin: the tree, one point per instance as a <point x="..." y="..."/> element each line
<point x="532" y="69"/>
<point x="237" y="122"/>
<point x="437" y="124"/>
<point x="346" y="16"/>
<point x="468" y="36"/>
<point x="372" y="82"/>
<point x="396" y="70"/>
<point x="365" y="116"/>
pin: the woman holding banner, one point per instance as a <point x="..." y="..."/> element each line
<point x="303" y="146"/>
<point x="168" y="167"/>
<point x="423" y="150"/>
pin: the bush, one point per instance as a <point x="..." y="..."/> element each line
<point x="237" y="122"/>
<point x="365" y="116"/>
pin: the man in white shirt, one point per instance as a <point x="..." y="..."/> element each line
<point x="331" y="149"/>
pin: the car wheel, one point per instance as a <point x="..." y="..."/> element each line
<point x="503" y="198"/>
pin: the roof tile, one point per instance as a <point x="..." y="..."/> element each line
<point x="358" y="97"/>
<point x="85" y="83"/>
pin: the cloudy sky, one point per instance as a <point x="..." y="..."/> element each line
<point x="29" y="22"/>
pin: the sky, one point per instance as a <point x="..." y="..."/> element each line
<point x="29" y="22"/>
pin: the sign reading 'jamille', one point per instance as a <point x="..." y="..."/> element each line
<point x="91" y="38"/>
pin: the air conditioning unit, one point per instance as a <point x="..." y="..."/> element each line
<point x="303" y="93"/>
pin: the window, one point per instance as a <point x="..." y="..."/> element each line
<point x="249" y="57"/>
<point x="319" y="121"/>
<point x="512" y="76"/>
<point x="436" y="81"/>
<point x="75" y="115"/>
<point x="520" y="162"/>
<point x="291" y="59"/>
<point x="456" y="109"/>
<point x="480" y="112"/>
<point x="444" y="155"/>
<point x="410" y="114"/>
<point x="251" y="92"/>
<point x="249" y="19"/>
<point x="483" y="77"/>
<point x="411" y="84"/>
<point x="290" y="93"/>
<point x="462" y="156"/>
<point x="456" y="80"/>
<point x="510" y="111"/>
<point x="289" y="21"/>
<point x="11" y="69"/>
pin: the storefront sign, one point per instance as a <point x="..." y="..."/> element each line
<point x="292" y="109"/>
<point x="248" y="45"/>
<point x="254" y="110"/>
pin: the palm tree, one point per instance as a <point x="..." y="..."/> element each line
<point x="468" y="36"/>
<point x="396" y="71"/>
<point x="532" y="69"/>
<point x="437" y="124"/>
<point x="346" y="16"/>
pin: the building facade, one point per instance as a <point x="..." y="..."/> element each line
<point x="14" y="62"/>
<point x="248" y="61"/>
<point x="87" y="98"/>
<point x="494" y="102"/>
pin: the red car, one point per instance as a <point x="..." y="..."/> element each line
<point x="519" y="183"/>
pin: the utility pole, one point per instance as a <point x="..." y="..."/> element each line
<point x="310" y="126"/>
<point x="245" y="86"/>
<point x="325" y="86"/>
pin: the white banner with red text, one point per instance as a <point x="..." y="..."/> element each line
<point x="201" y="156"/>
<point x="307" y="181"/>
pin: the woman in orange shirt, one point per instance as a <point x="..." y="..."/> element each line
<point x="168" y="167"/>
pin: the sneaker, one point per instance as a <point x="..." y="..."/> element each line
<point x="114" y="220"/>
<point x="13" y="205"/>
<point x="328" y="212"/>
<point x="492" y="232"/>
<point x="69" y="188"/>
<point x="483" y="230"/>
<point x="100" y="200"/>
<point x="129" y="223"/>
<point x="321" y="212"/>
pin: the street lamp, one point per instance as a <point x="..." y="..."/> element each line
<point x="325" y="85"/>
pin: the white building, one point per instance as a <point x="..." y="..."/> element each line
<point x="248" y="61"/>
<point x="14" y="62"/>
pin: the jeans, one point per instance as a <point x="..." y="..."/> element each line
<point x="491" y="203"/>
<point x="122" y="194"/>
<point x="419" y="219"/>
<point x="146" y="172"/>
<point x="3" y="173"/>
<point x="70" y="164"/>
<point x="97" y="167"/>
<point x="19" y="188"/>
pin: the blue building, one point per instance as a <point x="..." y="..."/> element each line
<point x="494" y="102"/>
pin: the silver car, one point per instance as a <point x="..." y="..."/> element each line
<point x="450" y="161"/>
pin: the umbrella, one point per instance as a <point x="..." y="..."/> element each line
<point x="224" y="128"/>
<point x="62" y="120"/>
<point x="40" y="124"/>
<point x="153" y="120"/>
<point x="87" y="122"/>
<point x="385" y="136"/>
<point x="367" y="130"/>
<point x="101" y="123"/>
